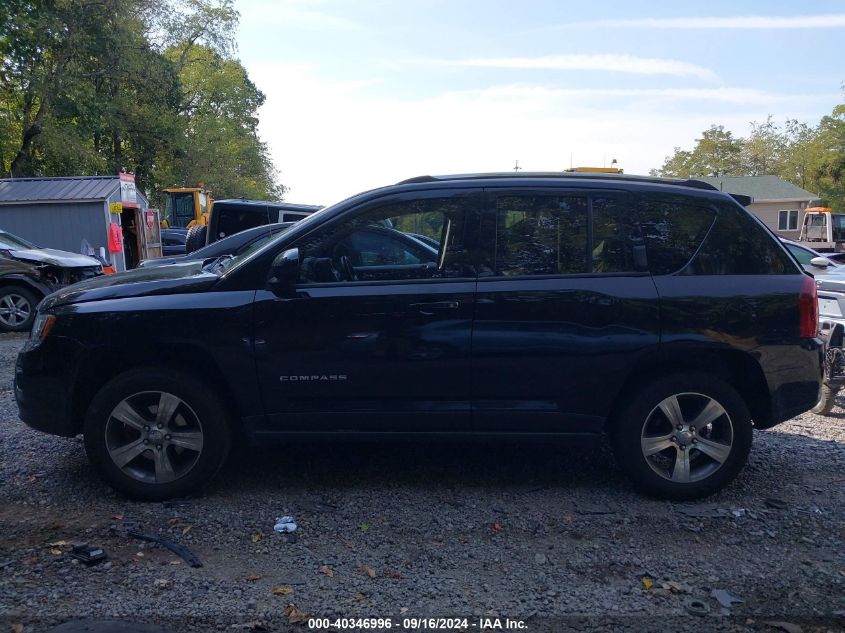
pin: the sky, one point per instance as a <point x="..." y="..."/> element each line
<point x="365" y="93"/>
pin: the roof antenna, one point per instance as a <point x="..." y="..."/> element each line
<point x="516" y="166"/>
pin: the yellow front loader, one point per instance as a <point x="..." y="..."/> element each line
<point x="186" y="207"/>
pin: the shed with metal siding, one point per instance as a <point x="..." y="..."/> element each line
<point x="62" y="212"/>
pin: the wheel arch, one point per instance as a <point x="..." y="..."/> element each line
<point x="739" y="369"/>
<point x="104" y="364"/>
<point x="21" y="281"/>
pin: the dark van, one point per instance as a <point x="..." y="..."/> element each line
<point x="231" y="216"/>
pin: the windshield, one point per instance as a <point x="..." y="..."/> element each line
<point x="802" y="255"/>
<point x="179" y="208"/>
<point x="246" y="251"/>
<point x="314" y="218"/>
<point x="13" y="242"/>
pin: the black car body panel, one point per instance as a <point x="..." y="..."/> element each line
<point x="750" y="313"/>
<point x="177" y="279"/>
<point x="586" y="333"/>
<point x="470" y="350"/>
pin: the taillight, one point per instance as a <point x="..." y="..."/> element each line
<point x="808" y="305"/>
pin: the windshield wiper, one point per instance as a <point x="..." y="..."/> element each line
<point x="216" y="264"/>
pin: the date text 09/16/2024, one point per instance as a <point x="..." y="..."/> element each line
<point x="419" y="624"/>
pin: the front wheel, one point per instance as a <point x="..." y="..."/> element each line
<point x="683" y="436"/>
<point x="154" y="433"/>
<point x="17" y="309"/>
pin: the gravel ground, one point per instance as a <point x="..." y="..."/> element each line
<point x="549" y="535"/>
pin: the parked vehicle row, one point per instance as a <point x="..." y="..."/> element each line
<point x="231" y="216"/>
<point x="812" y="261"/>
<point x="660" y="314"/>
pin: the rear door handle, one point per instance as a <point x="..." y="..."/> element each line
<point x="430" y="307"/>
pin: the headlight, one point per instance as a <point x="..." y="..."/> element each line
<point x="41" y="327"/>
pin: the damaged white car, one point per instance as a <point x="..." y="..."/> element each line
<point x="29" y="273"/>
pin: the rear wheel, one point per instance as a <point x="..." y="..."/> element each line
<point x="683" y="436"/>
<point x="196" y="237"/>
<point x="17" y="309"/>
<point x="155" y="433"/>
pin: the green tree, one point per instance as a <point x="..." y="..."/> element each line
<point x="763" y="150"/>
<point x="147" y="85"/>
<point x="801" y="154"/>
<point x="221" y="146"/>
<point x="716" y="153"/>
<point x="829" y="170"/>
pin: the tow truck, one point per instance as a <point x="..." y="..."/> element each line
<point x="823" y="230"/>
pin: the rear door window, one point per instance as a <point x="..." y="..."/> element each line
<point x="540" y="235"/>
<point x="617" y="243"/>
<point x="546" y="234"/>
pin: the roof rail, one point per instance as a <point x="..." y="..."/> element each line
<point x="682" y="182"/>
<point x="416" y="179"/>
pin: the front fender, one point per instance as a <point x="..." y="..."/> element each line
<point x="24" y="280"/>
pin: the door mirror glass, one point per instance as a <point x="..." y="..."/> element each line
<point x="820" y="262"/>
<point x="284" y="272"/>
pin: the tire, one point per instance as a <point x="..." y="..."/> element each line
<point x="194" y="440"/>
<point x="17" y="309"/>
<point x="195" y="239"/>
<point x="643" y="425"/>
<point x="827" y="398"/>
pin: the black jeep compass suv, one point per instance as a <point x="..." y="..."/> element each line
<point x="660" y="313"/>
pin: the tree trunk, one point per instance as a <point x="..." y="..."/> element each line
<point x="18" y="167"/>
<point x="117" y="148"/>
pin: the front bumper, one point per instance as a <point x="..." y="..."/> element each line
<point x="44" y="378"/>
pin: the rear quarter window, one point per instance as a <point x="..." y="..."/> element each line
<point x="738" y="245"/>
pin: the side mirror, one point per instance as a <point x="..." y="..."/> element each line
<point x="820" y="262"/>
<point x="284" y="273"/>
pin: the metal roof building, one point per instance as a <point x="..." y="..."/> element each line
<point x="64" y="213"/>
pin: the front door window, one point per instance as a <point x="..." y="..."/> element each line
<point x="421" y="239"/>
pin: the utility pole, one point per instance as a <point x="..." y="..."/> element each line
<point x="516" y="166"/>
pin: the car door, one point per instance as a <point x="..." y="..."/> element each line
<point x="378" y="335"/>
<point x="563" y="311"/>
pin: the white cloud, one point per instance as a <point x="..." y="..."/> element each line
<point x="726" y="95"/>
<point x="331" y="140"/>
<point x="607" y="62"/>
<point x="834" y="20"/>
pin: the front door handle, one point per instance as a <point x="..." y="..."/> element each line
<point x="428" y="308"/>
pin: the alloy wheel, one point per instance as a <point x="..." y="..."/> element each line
<point x="687" y="437"/>
<point x="154" y="437"/>
<point x="14" y="309"/>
